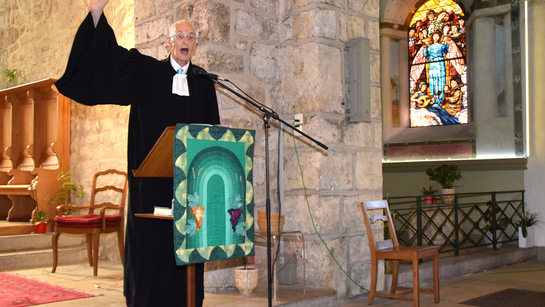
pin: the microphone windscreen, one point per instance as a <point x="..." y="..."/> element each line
<point x="197" y="72"/>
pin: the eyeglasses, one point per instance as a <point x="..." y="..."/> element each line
<point x="180" y="38"/>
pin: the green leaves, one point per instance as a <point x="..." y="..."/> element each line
<point x="524" y="232"/>
<point x="429" y="191"/>
<point x="241" y="229"/>
<point x="528" y="219"/>
<point x="235" y="202"/>
<point x="66" y="190"/>
<point x="40" y="217"/>
<point x="445" y="175"/>
<point x="191" y="228"/>
<point x="193" y="200"/>
<point x="11" y="75"/>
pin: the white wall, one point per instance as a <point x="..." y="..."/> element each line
<point x="403" y="184"/>
<point x="534" y="176"/>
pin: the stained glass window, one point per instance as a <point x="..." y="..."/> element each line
<point x="438" y="68"/>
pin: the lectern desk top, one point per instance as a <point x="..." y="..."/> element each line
<point x="158" y="162"/>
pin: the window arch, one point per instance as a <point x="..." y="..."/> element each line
<point x="438" y="67"/>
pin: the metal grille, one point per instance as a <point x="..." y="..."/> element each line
<point x="473" y="219"/>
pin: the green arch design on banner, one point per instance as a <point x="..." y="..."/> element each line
<point x="213" y="166"/>
<point x="214" y="162"/>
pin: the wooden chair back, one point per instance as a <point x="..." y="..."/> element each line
<point x="372" y="212"/>
<point x="109" y="191"/>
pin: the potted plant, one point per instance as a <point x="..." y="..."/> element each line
<point x="500" y="224"/>
<point x="429" y="191"/>
<point x="65" y="190"/>
<point x="246" y="278"/>
<point x="41" y="222"/>
<point x="445" y="175"/>
<point x="11" y="77"/>
<point x="526" y="231"/>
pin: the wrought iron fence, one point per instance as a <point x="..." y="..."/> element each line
<point x="471" y="220"/>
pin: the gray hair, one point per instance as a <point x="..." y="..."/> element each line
<point x="172" y="27"/>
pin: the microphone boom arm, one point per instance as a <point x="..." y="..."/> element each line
<point x="270" y="114"/>
<point x="267" y="114"/>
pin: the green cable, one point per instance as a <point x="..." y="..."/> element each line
<point x="332" y="256"/>
<point x="310" y="213"/>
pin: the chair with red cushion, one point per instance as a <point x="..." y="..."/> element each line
<point x="93" y="224"/>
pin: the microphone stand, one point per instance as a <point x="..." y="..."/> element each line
<point x="267" y="115"/>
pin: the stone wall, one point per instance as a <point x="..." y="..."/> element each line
<point x="36" y="37"/>
<point x="289" y="55"/>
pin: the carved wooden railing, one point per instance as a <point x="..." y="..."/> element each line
<point x="34" y="147"/>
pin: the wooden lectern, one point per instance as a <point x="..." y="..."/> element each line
<point x="159" y="164"/>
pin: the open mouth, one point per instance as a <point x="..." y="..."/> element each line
<point x="184" y="50"/>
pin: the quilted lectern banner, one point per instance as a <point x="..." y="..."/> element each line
<point x="213" y="193"/>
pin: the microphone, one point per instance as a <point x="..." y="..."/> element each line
<point x="201" y="73"/>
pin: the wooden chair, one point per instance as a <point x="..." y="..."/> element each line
<point x="390" y="249"/>
<point x="91" y="224"/>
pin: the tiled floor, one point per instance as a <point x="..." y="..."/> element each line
<point x="528" y="275"/>
<point x="108" y="286"/>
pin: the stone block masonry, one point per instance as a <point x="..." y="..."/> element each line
<point x="288" y="55"/>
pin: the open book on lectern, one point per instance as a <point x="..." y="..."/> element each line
<point x="213" y="204"/>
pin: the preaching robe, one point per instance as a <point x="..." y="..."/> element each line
<point x="101" y="72"/>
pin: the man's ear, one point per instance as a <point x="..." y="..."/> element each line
<point x="169" y="49"/>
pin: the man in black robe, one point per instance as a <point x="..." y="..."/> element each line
<point x="101" y="72"/>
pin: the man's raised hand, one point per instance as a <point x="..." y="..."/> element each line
<point x="96" y="7"/>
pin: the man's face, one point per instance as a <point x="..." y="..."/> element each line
<point x="453" y="84"/>
<point x="181" y="47"/>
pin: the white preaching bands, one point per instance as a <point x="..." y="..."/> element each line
<point x="179" y="82"/>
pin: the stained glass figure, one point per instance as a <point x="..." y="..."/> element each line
<point x="438" y="70"/>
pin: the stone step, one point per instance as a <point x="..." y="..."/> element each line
<point x="42" y="257"/>
<point x="34" y="250"/>
<point x="37" y="241"/>
<point x="468" y="262"/>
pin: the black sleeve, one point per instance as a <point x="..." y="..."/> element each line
<point x="212" y="100"/>
<point x="99" y="71"/>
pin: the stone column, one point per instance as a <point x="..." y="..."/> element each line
<point x="403" y="59"/>
<point x="385" y="84"/>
